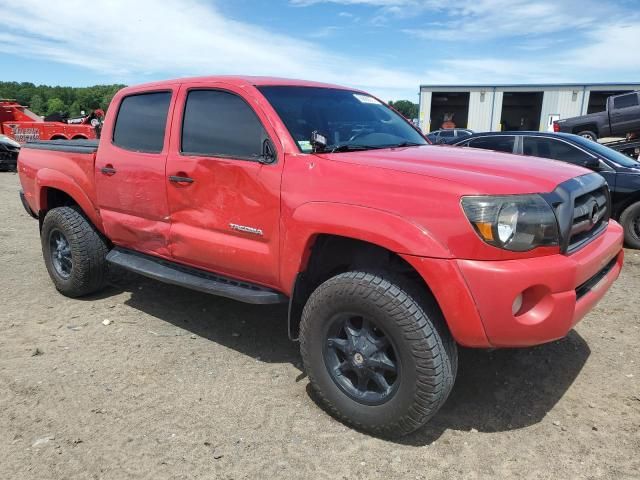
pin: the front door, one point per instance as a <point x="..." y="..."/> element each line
<point x="130" y="172"/>
<point x="224" y="200"/>
<point x="624" y="116"/>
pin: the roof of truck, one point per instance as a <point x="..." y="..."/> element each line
<point x="241" y="80"/>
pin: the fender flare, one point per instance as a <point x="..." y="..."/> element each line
<point x="378" y="227"/>
<point x="48" y="178"/>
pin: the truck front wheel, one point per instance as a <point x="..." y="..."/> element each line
<point x="74" y="252"/>
<point x="379" y="357"/>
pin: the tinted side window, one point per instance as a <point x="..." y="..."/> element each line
<point x="554" y="149"/>
<point x="498" y="143"/>
<point x="221" y="124"/>
<point x="141" y="122"/>
<point x="624" y="101"/>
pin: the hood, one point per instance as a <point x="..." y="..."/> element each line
<point x="481" y="171"/>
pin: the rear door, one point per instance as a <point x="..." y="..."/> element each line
<point x="556" y="149"/>
<point x="224" y="203"/>
<point x="130" y="172"/>
<point x="625" y="115"/>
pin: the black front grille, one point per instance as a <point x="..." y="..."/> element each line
<point x="583" y="207"/>
<point x="590" y="216"/>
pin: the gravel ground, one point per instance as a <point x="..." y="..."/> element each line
<point x="179" y="384"/>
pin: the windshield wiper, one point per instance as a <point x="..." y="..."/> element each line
<point x="405" y="144"/>
<point x="345" y="147"/>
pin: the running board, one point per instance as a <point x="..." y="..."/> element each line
<point x="195" y="279"/>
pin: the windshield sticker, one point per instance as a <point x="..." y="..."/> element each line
<point x="365" y="99"/>
<point x="305" y="145"/>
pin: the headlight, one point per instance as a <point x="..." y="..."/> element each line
<point x="513" y="222"/>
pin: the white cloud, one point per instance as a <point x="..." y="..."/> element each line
<point x="375" y="3"/>
<point x="125" y="40"/>
<point x="178" y="38"/>
<point x="610" y="46"/>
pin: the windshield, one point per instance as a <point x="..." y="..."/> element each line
<point x="345" y="118"/>
<point x="608" y="153"/>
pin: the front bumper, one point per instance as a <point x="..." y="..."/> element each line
<point x="557" y="292"/>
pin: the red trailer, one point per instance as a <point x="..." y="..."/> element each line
<point x="21" y="124"/>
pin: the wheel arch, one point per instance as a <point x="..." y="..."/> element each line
<point x="330" y="255"/>
<point x="622" y="206"/>
<point x="333" y="238"/>
<point x="592" y="127"/>
<point x="56" y="189"/>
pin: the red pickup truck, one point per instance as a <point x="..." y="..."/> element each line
<point x="389" y="251"/>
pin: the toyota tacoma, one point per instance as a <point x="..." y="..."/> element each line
<point x="390" y="252"/>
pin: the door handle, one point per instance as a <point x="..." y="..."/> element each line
<point x="108" y="170"/>
<point x="179" y="179"/>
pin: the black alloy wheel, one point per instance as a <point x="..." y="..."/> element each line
<point x="60" y="252"/>
<point x="361" y="359"/>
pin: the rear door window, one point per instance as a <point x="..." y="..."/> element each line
<point x="219" y="123"/>
<point x="141" y="122"/>
<point x="625" y="101"/>
<point x="498" y="143"/>
<point x="554" y="149"/>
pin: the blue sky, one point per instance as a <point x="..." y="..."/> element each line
<point x="388" y="47"/>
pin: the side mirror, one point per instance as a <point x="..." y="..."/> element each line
<point x="268" y="153"/>
<point x="318" y="141"/>
<point x="592" y="164"/>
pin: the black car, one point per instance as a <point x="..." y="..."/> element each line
<point x="448" y="135"/>
<point x="8" y="153"/>
<point x="621" y="172"/>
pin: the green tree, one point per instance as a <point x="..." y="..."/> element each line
<point x="406" y="107"/>
<point x="55" y="105"/>
<point x="74" y="109"/>
<point x="36" y="104"/>
<point x="44" y="99"/>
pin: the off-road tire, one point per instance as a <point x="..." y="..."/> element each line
<point x="88" y="251"/>
<point x="412" y="320"/>
<point x="630" y="221"/>
<point x="588" y="134"/>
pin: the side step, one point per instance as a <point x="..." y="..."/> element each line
<point x="195" y="279"/>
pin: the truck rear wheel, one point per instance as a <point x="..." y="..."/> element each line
<point x="589" y="134"/>
<point x="74" y="252"/>
<point x="630" y="221"/>
<point x="378" y="357"/>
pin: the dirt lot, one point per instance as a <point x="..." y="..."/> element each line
<point x="185" y="385"/>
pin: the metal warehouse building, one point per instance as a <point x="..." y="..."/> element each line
<point x="511" y="107"/>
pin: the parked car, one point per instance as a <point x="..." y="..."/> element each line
<point x="8" y="153"/>
<point x="621" y="172"/>
<point x="389" y="251"/>
<point x="622" y="116"/>
<point x="448" y="135"/>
